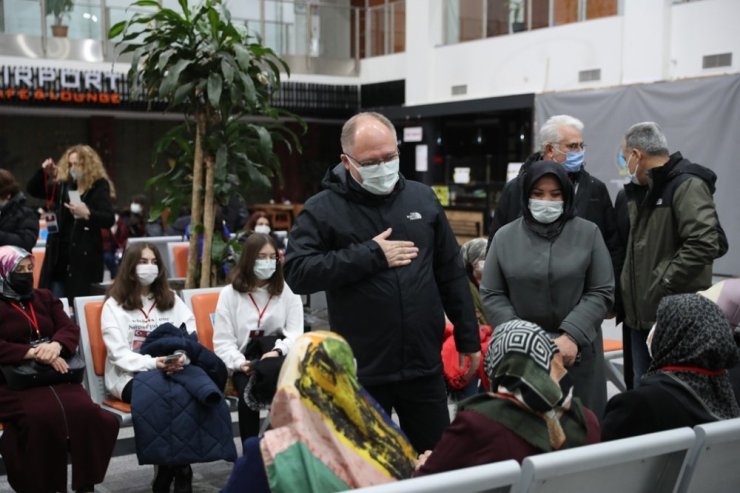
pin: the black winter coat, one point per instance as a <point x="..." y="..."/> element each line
<point x="392" y="318"/>
<point x="74" y="255"/>
<point x="592" y="203"/>
<point x="19" y="224"/>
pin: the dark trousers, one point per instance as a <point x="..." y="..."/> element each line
<point x="249" y="421"/>
<point x="421" y="406"/>
<point x="640" y="357"/>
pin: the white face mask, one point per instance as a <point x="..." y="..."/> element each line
<point x="649" y="341"/>
<point x="264" y="268"/>
<point x="74" y="173"/>
<point x="545" y="211"/>
<point x="262" y="228"/>
<point x="147" y="273"/>
<point x="379" y="179"/>
<point x="633" y="176"/>
<point x="135" y="208"/>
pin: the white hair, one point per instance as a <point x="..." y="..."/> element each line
<point x="550" y="131"/>
<point x="648" y="137"/>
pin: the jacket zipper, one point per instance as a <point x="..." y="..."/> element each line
<point x="64" y="414"/>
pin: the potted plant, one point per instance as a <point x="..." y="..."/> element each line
<point x="223" y="80"/>
<point x="59" y="9"/>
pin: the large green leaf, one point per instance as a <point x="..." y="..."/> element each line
<point x="215" y="84"/>
<point x="172" y="76"/>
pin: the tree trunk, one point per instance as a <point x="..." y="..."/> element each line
<point x="208" y="224"/>
<point x="196" y="209"/>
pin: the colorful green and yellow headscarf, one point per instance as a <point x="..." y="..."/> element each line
<point x="328" y="433"/>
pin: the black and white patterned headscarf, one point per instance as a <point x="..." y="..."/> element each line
<point x="519" y="359"/>
<point x="693" y="342"/>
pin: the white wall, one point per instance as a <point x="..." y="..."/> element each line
<point x="651" y="40"/>
<point x="704" y="28"/>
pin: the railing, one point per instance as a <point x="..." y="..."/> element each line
<point x="310" y="29"/>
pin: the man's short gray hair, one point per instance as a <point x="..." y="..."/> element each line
<point x="349" y="129"/>
<point x="647" y="137"/>
<point x="550" y="131"/>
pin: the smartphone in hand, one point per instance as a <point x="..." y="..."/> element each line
<point x="172" y="358"/>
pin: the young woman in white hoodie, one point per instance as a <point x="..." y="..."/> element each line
<point x="139" y="301"/>
<point x="258" y="302"/>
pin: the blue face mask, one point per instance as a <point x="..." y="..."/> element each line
<point x="574" y="161"/>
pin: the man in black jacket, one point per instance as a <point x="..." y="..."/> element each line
<point x="562" y="142"/>
<point x="381" y="248"/>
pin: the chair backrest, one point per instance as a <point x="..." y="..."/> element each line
<point x="178" y="252"/>
<point x="202" y="302"/>
<point x="38" y="262"/>
<point x="88" y="310"/>
<point x="649" y="463"/>
<point x="712" y="464"/>
<point x="498" y="477"/>
<point x="161" y="243"/>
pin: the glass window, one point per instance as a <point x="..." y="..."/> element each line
<point x="497" y="18"/>
<point x="565" y="12"/>
<point x="471" y="24"/>
<point x="540" y="13"/>
<point x="600" y="8"/>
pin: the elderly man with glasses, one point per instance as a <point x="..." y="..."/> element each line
<point x="381" y="248"/>
<point x="562" y="141"/>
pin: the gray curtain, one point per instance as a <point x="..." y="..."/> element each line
<point x="700" y="117"/>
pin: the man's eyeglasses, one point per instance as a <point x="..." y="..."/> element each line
<point x="390" y="157"/>
<point x="575" y="146"/>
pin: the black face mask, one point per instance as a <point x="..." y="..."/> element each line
<point x="22" y="283"/>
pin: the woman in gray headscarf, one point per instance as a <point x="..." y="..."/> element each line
<point x="687" y="382"/>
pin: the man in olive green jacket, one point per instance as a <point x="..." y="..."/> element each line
<point x="674" y="235"/>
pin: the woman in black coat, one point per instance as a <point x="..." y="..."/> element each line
<point x="74" y="247"/>
<point x="19" y="225"/>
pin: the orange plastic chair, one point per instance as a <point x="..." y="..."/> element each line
<point x="612" y="345"/>
<point x="204" y="306"/>
<point x="180" y="255"/>
<point x="90" y="308"/>
<point x="38" y="261"/>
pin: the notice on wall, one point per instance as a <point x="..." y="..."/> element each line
<point x="422" y="158"/>
<point x="413" y="134"/>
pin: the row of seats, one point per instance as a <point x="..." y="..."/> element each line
<point x="174" y="252"/>
<point x="676" y="461"/>
<point x="89" y="308"/>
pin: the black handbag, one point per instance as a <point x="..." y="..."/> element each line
<point x="34" y="374"/>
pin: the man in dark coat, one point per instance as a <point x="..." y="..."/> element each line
<point x="674" y="233"/>
<point x="382" y="249"/>
<point x="562" y="142"/>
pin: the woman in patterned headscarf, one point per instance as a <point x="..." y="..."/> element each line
<point x="328" y="434"/>
<point x="687" y="382"/>
<point x="532" y="410"/>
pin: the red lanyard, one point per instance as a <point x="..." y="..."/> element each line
<point x="50" y="201"/>
<point x="31" y="319"/>
<point x="693" y="369"/>
<point x="260" y="313"/>
<point x="146" y="314"/>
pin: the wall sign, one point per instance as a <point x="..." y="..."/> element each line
<point x="50" y="86"/>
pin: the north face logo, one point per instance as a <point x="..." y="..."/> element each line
<point x="413" y="216"/>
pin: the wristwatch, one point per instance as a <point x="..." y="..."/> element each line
<point x="278" y="350"/>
